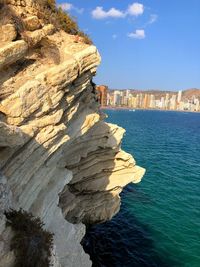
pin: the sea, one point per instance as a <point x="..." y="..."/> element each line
<point x="159" y="221"/>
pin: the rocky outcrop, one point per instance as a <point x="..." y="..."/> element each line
<point x="8" y="33"/>
<point x="58" y="158"/>
<point x="11" y="52"/>
<point x="100" y="171"/>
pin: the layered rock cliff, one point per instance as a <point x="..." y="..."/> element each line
<point x="58" y="159"/>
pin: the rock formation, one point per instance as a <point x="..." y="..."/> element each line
<point x="58" y="158"/>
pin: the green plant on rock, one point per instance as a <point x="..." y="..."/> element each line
<point x="60" y="19"/>
<point x="86" y="37"/>
<point x="32" y="244"/>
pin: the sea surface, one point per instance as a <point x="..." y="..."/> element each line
<point x="159" y="220"/>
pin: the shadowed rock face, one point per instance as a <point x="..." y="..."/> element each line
<point x="58" y="158"/>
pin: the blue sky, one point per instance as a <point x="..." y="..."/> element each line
<point x="150" y="44"/>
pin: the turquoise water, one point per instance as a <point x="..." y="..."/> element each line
<point x="159" y="221"/>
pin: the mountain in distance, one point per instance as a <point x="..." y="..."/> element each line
<point x="191" y="92"/>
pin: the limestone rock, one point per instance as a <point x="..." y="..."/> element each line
<point x="6" y="256"/>
<point x="58" y="159"/>
<point x="5" y="196"/>
<point x="10" y="136"/>
<point x="100" y="172"/>
<point x="12" y="52"/>
<point x="8" y="33"/>
<point x="34" y="37"/>
<point x="32" y="23"/>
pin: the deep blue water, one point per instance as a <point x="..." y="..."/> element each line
<point x="159" y="220"/>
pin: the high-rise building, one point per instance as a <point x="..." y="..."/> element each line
<point x="127" y="93"/>
<point x="140" y="100"/>
<point x="152" y="101"/>
<point x="179" y="96"/>
<point x="173" y="102"/>
<point x="145" y="101"/>
<point x="132" y="101"/>
<point x="117" y="98"/>
<point x="162" y="103"/>
<point x="137" y="101"/>
<point x="167" y="101"/>
<point x="109" y="99"/>
<point x="148" y="100"/>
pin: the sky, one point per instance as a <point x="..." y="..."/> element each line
<point x="149" y="44"/>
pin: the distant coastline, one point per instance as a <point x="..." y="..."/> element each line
<point x="150" y="109"/>
<point x="188" y="100"/>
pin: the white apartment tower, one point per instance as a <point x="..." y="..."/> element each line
<point x="179" y="96"/>
<point x="117" y="98"/>
<point x="152" y="101"/>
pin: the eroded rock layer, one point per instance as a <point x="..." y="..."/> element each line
<point x="58" y="158"/>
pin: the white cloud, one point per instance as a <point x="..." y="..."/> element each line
<point x="138" y="34"/>
<point x="153" y="18"/>
<point x="136" y="9"/>
<point x="100" y="13"/>
<point x="69" y="7"/>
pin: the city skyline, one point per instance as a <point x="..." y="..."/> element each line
<point x="153" y="89"/>
<point x="188" y="100"/>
